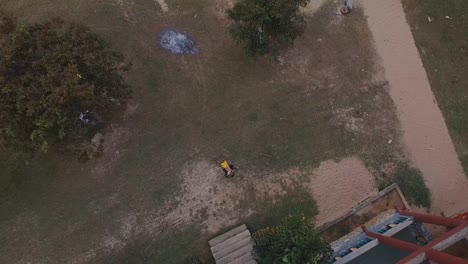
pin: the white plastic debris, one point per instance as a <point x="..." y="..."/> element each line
<point x="177" y="42"/>
<point x="86" y="117"/>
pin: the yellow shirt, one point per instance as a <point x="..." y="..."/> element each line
<point x="225" y="165"/>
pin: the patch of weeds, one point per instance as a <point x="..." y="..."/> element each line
<point x="377" y="87"/>
<point x="18" y="170"/>
<point x="464" y="161"/>
<point x="270" y="214"/>
<point x="411" y="183"/>
<point x="152" y="83"/>
<point x="203" y="214"/>
<point x="389" y="169"/>
<point x="16" y="165"/>
<point x="193" y="260"/>
<point x="275" y="107"/>
<point x="252" y="116"/>
<point x="187" y="246"/>
<point x="382" y="184"/>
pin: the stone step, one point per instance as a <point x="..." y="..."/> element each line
<point x="244" y="259"/>
<point x="227" y="235"/>
<point x="236" y="254"/>
<point x="231" y="241"/>
<point x="242" y="242"/>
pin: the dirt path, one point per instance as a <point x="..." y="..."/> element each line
<point x="424" y="131"/>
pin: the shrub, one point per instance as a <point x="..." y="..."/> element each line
<point x="57" y="81"/>
<point x="411" y="182"/>
<point x="294" y="241"/>
<point x="260" y="26"/>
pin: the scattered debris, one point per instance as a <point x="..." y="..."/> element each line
<point x="163" y="5"/>
<point x="347" y="8"/>
<point x="280" y="60"/>
<point x="447" y="17"/>
<point x="177" y="42"/>
<point x="87" y="117"/>
<point x="429" y="19"/>
<point x="390" y="141"/>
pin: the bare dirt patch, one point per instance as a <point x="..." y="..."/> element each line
<point x="127" y="9"/>
<point x="113" y="140"/>
<point x="338" y="186"/>
<point x="220" y="7"/>
<point x="163" y="5"/>
<point x="215" y="200"/>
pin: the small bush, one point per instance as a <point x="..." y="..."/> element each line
<point x="411" y="183"/>
<point x="294" y="241"/>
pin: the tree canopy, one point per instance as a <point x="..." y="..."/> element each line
<point x="262" y="26"/>
<point x="293" y="241"/>
<point x="56" y="80"/>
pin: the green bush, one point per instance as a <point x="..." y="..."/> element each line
<point x="293" y="241"/>
<point x="261" y="26"/>
<point x="411" y="183"/>
<point x="56" y="81"/>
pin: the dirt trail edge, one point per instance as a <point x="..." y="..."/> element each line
<point x="424" y="131"/>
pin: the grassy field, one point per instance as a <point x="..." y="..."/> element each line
<point x="443" y="46"/>
<point x="326" y="101"/>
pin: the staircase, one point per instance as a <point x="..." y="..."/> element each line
<point x="233" y="247"/>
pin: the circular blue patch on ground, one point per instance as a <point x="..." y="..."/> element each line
<point x="177" y="42"/>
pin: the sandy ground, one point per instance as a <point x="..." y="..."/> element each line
<point x="336" y="186"/>
<point x="218" y="202"/>
<point x="424" y="131"/>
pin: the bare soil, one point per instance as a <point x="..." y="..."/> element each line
<point x="337" y="187"/>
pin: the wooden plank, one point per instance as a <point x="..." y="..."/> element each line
<point x="236" y="254"/>
<point x="231" y="241"/>
<point x="227" y="235"/>
<point x="240" y="243"/>
<point x="246" y="258"/>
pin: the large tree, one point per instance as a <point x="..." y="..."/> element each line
<point x="262" y="26"/>
<point x="56" y="80"/>
<point x="293" y="241"/>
